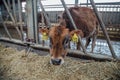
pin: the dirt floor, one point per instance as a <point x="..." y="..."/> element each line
<point x="15" y="66"/>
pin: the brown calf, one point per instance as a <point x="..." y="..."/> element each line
<point x="60" y="36"/>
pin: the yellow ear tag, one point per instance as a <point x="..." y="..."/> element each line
<point x="75" y="38"/>
<point x="44" y="36"/>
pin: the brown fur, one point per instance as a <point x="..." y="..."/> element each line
<point x="57" y="35"/>
<point x="85" y="21"/>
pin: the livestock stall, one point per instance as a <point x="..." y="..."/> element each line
<point x="20" y="21"/>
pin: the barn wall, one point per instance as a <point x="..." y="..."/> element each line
<point x="110" y="12"/>
<point x="108" y="17"/>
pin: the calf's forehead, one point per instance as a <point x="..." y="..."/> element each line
<point x="42" y="30"/>
<point x="57" y="35"/>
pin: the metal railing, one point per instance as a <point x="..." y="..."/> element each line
<point x="110" y="12"/>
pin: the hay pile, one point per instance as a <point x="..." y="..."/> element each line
<point x="15" y="66"/>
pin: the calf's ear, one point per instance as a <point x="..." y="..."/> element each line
<point x="78" y="32"/>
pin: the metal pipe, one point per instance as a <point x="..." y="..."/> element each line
<point x="14" y="9"/>
<point x="30" y="19"/>
<point x="46" y="17"/>
<point x="9" y="5"/>
<point x="20" y="18"/>
<point x="42" y="17"/>
<point x="9" y="11"/>
<point x="103" y="28"/>
<point x="76" y="3"/>
<point x="35" y="21"/>
<point x="87" y="3"/>
<point x="70" y="17"/>
<point x="73" y="53"/>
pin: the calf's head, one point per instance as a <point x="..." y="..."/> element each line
<point x="59" y="39"/>
<point x="44" y="30"/>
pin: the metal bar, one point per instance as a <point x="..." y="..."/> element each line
<point x="103" y="28"/>
<point x="73" y="53"/>
<point x="9" y="12"/>
<point x="42" y="17"/>
<point x="46" y="7"/>
<point x="20" y="18"/>
<point x="30" y="20"/>
<point x="70" y="17"/>
<point x="5" y="27"/>
<point x="9" y="5"/>
<point x="108" y="3"/>
<point x="76" y="3"/>
<point x="35" y="21"/>
<point x="87" y="3"/>
<point x="46" y="17"/>
<point x="14" y="9"/>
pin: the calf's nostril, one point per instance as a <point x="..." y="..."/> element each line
<point x="56" y="61"/>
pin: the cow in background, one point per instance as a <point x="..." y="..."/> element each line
<point x="86" y="22"/>
<point x="42" y="20"/>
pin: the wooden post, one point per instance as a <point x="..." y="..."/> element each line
<point x="103" y="28"/>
